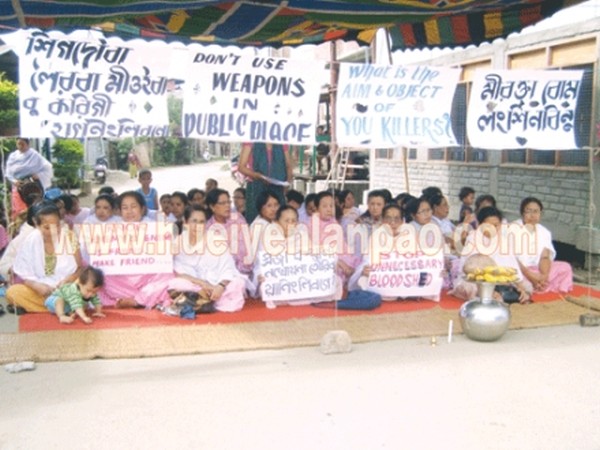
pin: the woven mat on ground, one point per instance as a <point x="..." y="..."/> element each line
<point x="429" y="319"/>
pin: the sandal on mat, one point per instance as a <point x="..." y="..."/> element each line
<point x="18" y="310"/>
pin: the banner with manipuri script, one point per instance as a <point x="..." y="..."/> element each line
<point x="390" y="106"/>
<point x="84" y="85"/>
<point x="518" y="109"/>
<point x="250" y="98"/>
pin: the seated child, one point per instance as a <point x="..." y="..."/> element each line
<point x="294" y="198"/>
<point x="72" y="298"/>
<point x="165" y="208"/>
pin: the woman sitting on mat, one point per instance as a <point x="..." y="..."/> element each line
<point x="419" y="212"/>
<point x="103" y="212"/>
<point x="539" y="266"/>
<point x="267" y="205"/>
<point x="48" y="258"/>
<point x="489" y="243"/>
<point x="220" y="215"/>
<point x="289" y="235"/>
<point x="331" y="234"/>
<point x="392" y="221"/>
<point x="198" y="269"/>
<point x="14" y="246"/>
<point x="134" y="290"/>
<point x="371" y="218"/>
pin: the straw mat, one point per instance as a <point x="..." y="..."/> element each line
<point x="71" y="344"/>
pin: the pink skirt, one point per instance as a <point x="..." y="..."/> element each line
<point x="560" y="278"/>
<point x="147" y="290"/>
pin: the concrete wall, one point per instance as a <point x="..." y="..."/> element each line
<point x="565" y="194"/>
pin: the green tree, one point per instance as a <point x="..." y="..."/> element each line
<point x="165" y="150"/>
<point x="175" y="108"/>
<point x="9" y="107"/>
<point x="124" y="146"/>
<point x="68" y="156"/>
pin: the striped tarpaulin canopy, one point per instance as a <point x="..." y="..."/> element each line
<point x="411" y="23"/>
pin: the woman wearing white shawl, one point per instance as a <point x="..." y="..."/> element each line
<point x="44" y="262"/>
<point x="23" y="163"/>
<point x="198" y="269"/>
<point x="11" y="251"/>
<point x="539" y="266"/>
<point x="484" y="240"/>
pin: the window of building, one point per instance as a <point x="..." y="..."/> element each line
<point x="383" y="153"/>
<point x="437" y="154"/>
<point x="478" y="155"/>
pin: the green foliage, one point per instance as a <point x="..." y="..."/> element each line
<point x="7" y="145"/>
<point x="9" y="107"/>
<point x="124" y="146"/>
<point x="165" y="150"/>
<point x="68" y="156"/>
<point x="175" y="108"/>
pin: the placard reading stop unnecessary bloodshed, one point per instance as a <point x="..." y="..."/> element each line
<point x="297" y="276"/>
<point x="408" y="275"/>
<point x="241" y="98"/>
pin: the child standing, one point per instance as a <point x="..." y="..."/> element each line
<point x="150" y="194"/>
<point x="467" y="198"/>
<point x="134" y="164"/>
<point x="72" y="298"/>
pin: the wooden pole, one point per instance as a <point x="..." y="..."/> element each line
<point x="405" y="165"/>
<point x="404" y="149"/>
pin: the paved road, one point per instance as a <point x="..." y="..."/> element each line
<point x="169" y="179"/>
<point x="533" y="389"/>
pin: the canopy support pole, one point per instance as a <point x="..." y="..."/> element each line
<point x="404" y="149"/>
<point x="16" y="4"/>
<point x="333" y="72"/>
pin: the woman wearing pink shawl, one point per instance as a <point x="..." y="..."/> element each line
<point x="329" y="231"/>
<point x="233" y="227"/>
<point x="23" y="163"/>
<point x="134" y="291"/>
